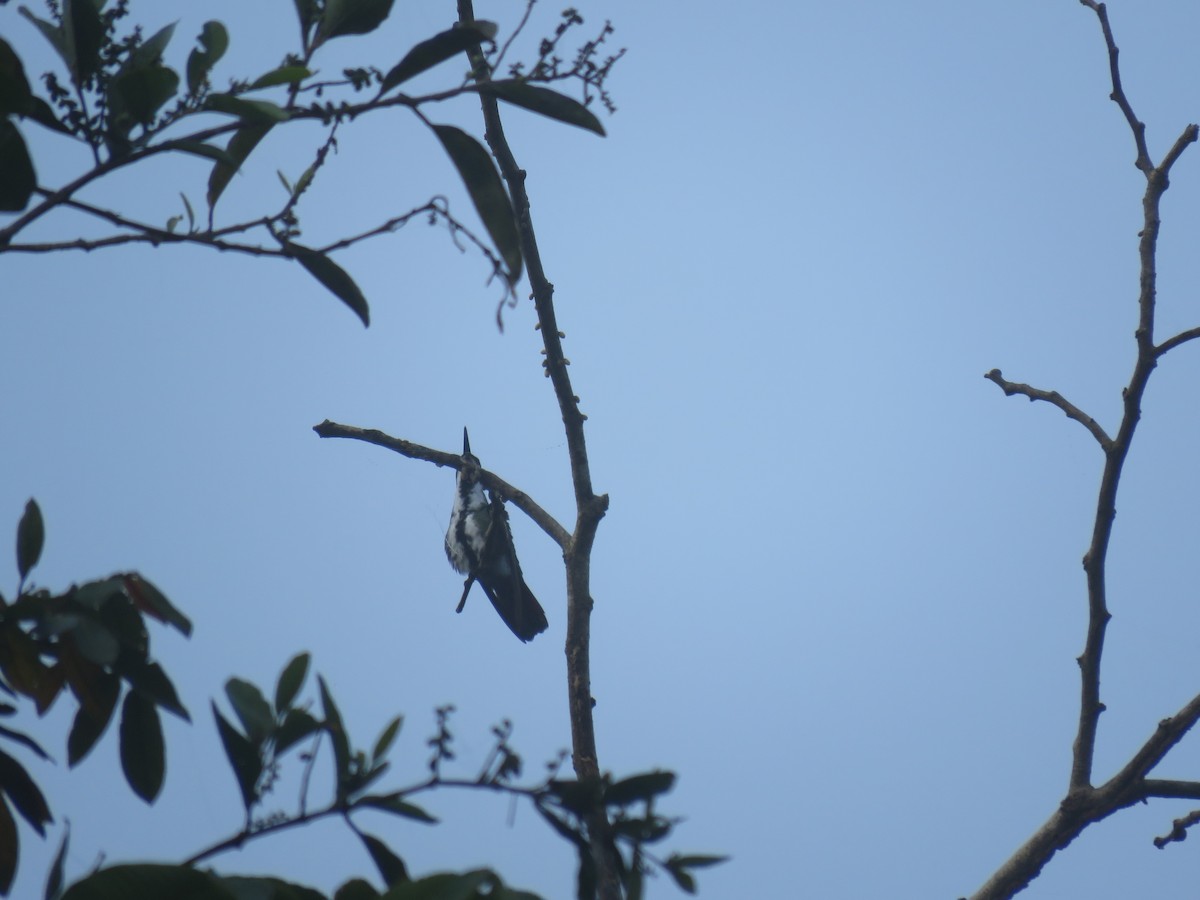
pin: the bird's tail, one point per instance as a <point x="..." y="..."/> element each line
<point x="517" y="606"/>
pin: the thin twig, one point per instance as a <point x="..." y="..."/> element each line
<point x="1055" y="399"/>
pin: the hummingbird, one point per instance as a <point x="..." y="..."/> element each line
<point x="479" y="544"/>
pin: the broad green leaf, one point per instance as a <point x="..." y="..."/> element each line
<point x="334" y="277"/>
<point x="473" y="885"/>
<point x="252" y="709"/>
<point x="391" y="867"/>
<point x="145" y="596"/>
<point x="306" y="11"/>
<point x="40" y="111"/>
<point x="54" y="881"/>
<point x="96" y="642"/>
<point x="487" y="192"/>
<point x="148" y="881"/>
<point x="282" y="75"/>
<point x="386" y="737"/>
<point x="214" y="41"/>
<point x="243" y="759"/>
<point x="15" y="93"/>
<point x="83" y="36"/>
<point x="53" y="34"/>
<point x="256" y="111"/>
<point x="10" y="848"/>
<point x="342" y="17"/>
<point x="135" y="96"/>
<point x="338" y="736"/>
<point x="261" y="887"/>
<point x="91" y="719"/>
<point x="545" y="101"/>
<point x="31" y="535"/>
<point x="639" y="787"/>
<point x="17" y="178"/>
<point x="297" y="725"/>
<point x="150" y="51"/>
<point x="395" y="805"/>
<point x="356" y="889"/>
<point x="24" y="794"/>
<point x="436" y="49"/>
<point x="244" y="140"/>
<point x="291" y="680"/>
<point x="143" y="755"/>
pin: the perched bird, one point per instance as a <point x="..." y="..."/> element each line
<point x="479" y="544"/>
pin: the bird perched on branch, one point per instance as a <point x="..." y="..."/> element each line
<point x="479" y="544"/>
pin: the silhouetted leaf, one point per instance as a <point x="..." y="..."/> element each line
<point x="257" y="111"/>
<point x="10" y="848"/>
<point x="391" y="867"/>
<point x="142" y="85"/>
<point x="208" y="151"/>
<point x="17" y="178"/>
<point x="148" y="598"/>
<point x="487" y="193"/>
<point x="31" y="534"/>
<point x="143" y="755"/>
<point x="449" y="886"/>
<point x="248" y="702"/>
<point x="25" y="796"/>
<point x="282" y="75"/>
<point x="386" y="737"/>
<point x="267" y="888"/>
<point x="96" y="642"/>
<point x="291" y="679"/>
<point x="214" y="41"/>
<point x="53" y="34"/>
<point x="356" y="889"/>
<point x="306" y="11"/>
<point x="639" y="787"/>
<point x="334" y="277"/>
<point x="438" y="48"/>
<point x="15" y="93"/>
<point x="564" y="829"/>
<point x="152" y="681"/>
<point x="399" y="807"/>
<point x="297" y="725"/>
<point x="147" y="881"/>
<point x="243" y="759"/>
<point x="91" y="719"/>
<point x="54" y="880"/>
<point x="244" y="140"/>
<point x="83" y="35"/>
<point x="342" y="17"/>
<point x="337" y="734"/>
<point x="545" y="101"/>
<point x="24" y="740"/>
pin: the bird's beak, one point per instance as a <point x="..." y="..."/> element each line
<point x="466" y="442"/>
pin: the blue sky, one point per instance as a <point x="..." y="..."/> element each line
<point x="838" y="589"/>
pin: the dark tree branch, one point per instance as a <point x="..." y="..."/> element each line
<point x="1182" y="338"/>
<point x="1084" y="804"/>
<point x="590" y="508"/>
<point x="1055" y="399"/>
<point x="1179" y="829"/>
<point x="493" y="482"/>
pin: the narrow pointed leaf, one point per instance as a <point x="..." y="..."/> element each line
<point x="145" y="596"/>
<point x="244" y="140"/>
<point x="243" y="759"/>
<point x="257" y="111"/>
<point x="31" y="534"/>
<point x="337" y="734"/>
<point x="83" y="36"/>
<point x="152" y="681"/>
<point x="17" y="178"/>
<point x="306" y="11"/>
<point x="334" y="277"/>
<point x="436" y="49"/>
<point x="297" y="725"/>
<point x="342" y="17"/>
<point x="24" y="794"/>
<point x="282" y="75"/>
<point x="545" y="101"/>
<point x="252" y="710"/>
<point x="386" y="737"/>
<point x="40" y="111"/>
<point x="479" y="174"/>
<point x="396" y="806"/>
<point x="391" y="867"/>
<point x="54" y="880"/>
<point x="214" y="41"/>
<point x="143" y="755"/>
<point x="291" y="679"/>
<point x="24" y="740"/>
<point x="91" y="719"/>
<point x="51" y="33"/>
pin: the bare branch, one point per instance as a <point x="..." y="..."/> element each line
<point x="1118" y="92"/>
<point x="493" y="482"/>
<point x="1055" y="399"/>
<point x="1169" y="789"/>
<point x="1182" y="338"/>
<point x="1179" y="829"/>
